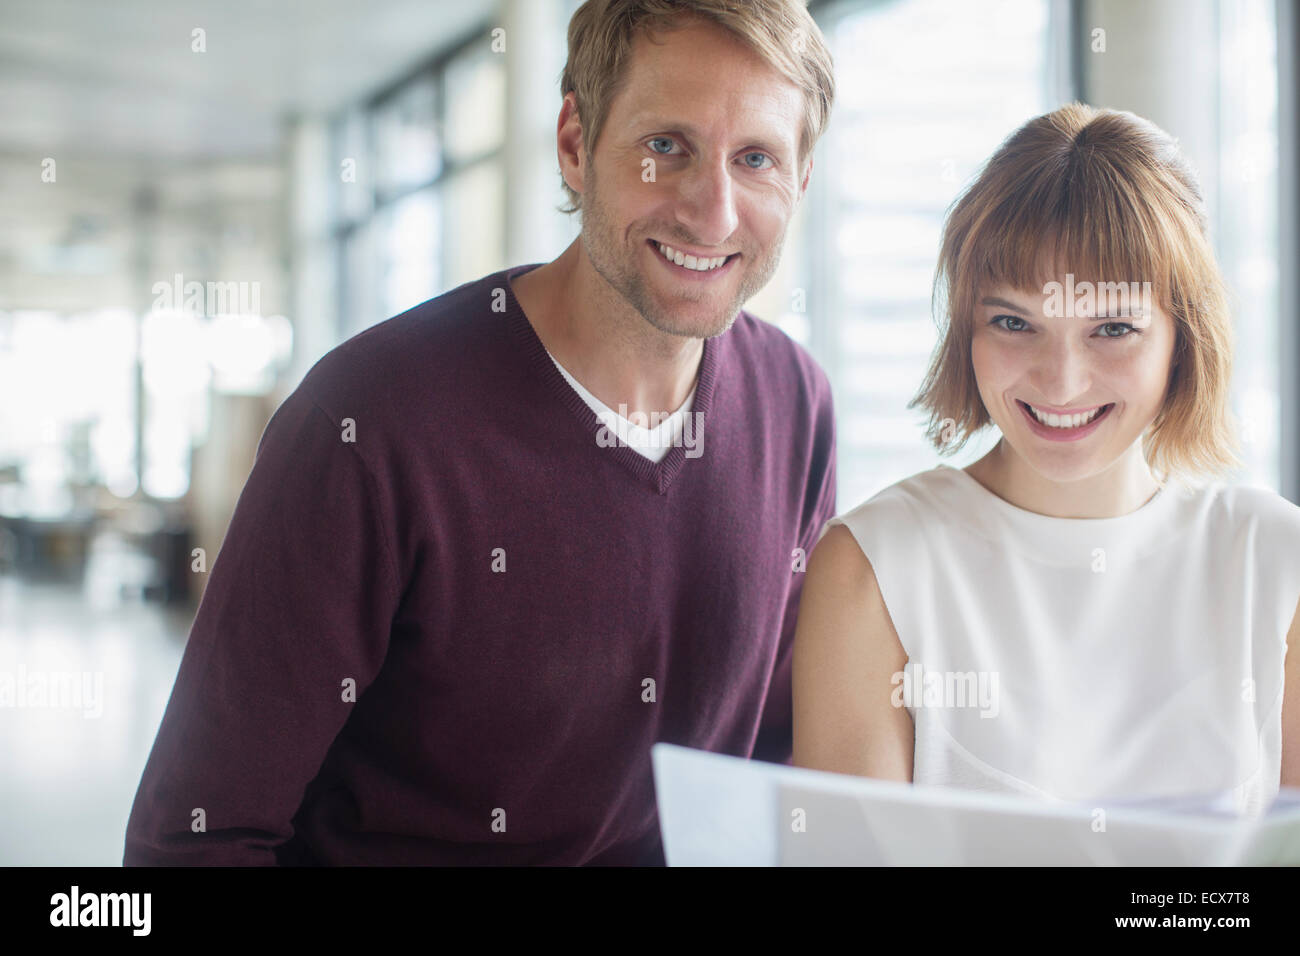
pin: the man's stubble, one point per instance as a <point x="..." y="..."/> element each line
<point x="608" y="254"/>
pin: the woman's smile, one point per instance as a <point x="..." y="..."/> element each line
<point x="1055" y="427"/>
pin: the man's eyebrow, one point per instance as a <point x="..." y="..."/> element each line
<point x="1003" y="304"/>
<point x="659" y="122"/>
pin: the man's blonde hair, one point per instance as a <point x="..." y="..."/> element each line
<point x="781" y="32"/>
<point x="1108" y="196"/>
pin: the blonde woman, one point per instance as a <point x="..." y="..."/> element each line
<point x="1078" y="615"/>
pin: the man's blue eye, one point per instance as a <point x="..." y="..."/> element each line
<point x="761" y="155"/>
<point x="661" y="139"/>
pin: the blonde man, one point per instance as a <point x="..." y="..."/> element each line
<point x="495" y="548"/>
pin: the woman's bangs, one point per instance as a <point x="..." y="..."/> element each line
<point x="1026" y="246"/>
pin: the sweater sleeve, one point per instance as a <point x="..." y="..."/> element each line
<point x="775" y="742"/>
<point x="299" y="603"/>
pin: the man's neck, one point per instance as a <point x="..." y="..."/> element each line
<point x="602" y="340"/>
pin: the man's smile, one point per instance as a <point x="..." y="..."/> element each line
<point x="690" y="266"/>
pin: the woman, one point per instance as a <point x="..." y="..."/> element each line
<point x="1067" y="618"/>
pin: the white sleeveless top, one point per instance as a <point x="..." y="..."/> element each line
<point x="1079" y="659"/>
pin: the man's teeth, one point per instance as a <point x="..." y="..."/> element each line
<point x="690" y="262"/>
<point x="1065" y="421"/>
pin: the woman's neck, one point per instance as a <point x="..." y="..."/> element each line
<point x="1120" y="489"/>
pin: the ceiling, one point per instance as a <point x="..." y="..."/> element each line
<point x="119" y="80"/>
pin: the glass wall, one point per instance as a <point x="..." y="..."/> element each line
<point x="919" y="106"/>
<point x="1246" y="227"/>
<point x="418" y="206"/>
<point x="926" y="90"/>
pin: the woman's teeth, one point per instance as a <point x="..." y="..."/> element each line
<point x="1065" y="421"/>
<point x="690" y="262"/>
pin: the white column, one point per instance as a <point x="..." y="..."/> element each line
<point x="1161" y="61"/>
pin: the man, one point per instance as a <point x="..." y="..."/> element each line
<point x="461" y="596"/>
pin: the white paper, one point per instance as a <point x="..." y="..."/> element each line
<point x="716" y="810"/>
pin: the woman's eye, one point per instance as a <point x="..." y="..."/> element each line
<point x="1009" y="318"/>
<point x="1118" y="325"/>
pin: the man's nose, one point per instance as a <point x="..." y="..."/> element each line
<point x="706" y="202"/>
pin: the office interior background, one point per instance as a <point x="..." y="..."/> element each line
<point x="318" y="167"/>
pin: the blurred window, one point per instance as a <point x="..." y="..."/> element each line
<point x="354" y="181"/>
<point x="1246" y="229"/>
<point x="67" y="408"/>
<point x="411" y="231"/>
<point x="407" y="153"/>
<point x="475" y="222"/>
<point x="475" y="115"/>
<point x="431" y="216"/>
<point x="919" y="108"/>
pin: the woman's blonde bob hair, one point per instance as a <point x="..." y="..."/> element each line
<point x="781" y="32"/>
<point x="1107" y="196"/>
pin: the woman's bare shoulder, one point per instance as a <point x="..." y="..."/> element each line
<point x="839" y="557"/>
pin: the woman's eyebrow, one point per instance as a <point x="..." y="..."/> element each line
<point x="1003" y="304"/>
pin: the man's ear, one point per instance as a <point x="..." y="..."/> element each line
<point x="807" y="177"/>
<point x="569" y="143"/>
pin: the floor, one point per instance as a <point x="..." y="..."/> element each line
<point x="69" y="766"/>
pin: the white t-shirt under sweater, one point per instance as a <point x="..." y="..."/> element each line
<point x="1131" y="657"/>
<point x="653" y="443"/>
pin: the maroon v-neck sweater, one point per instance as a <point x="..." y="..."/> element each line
<point x="448" y="623"/>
